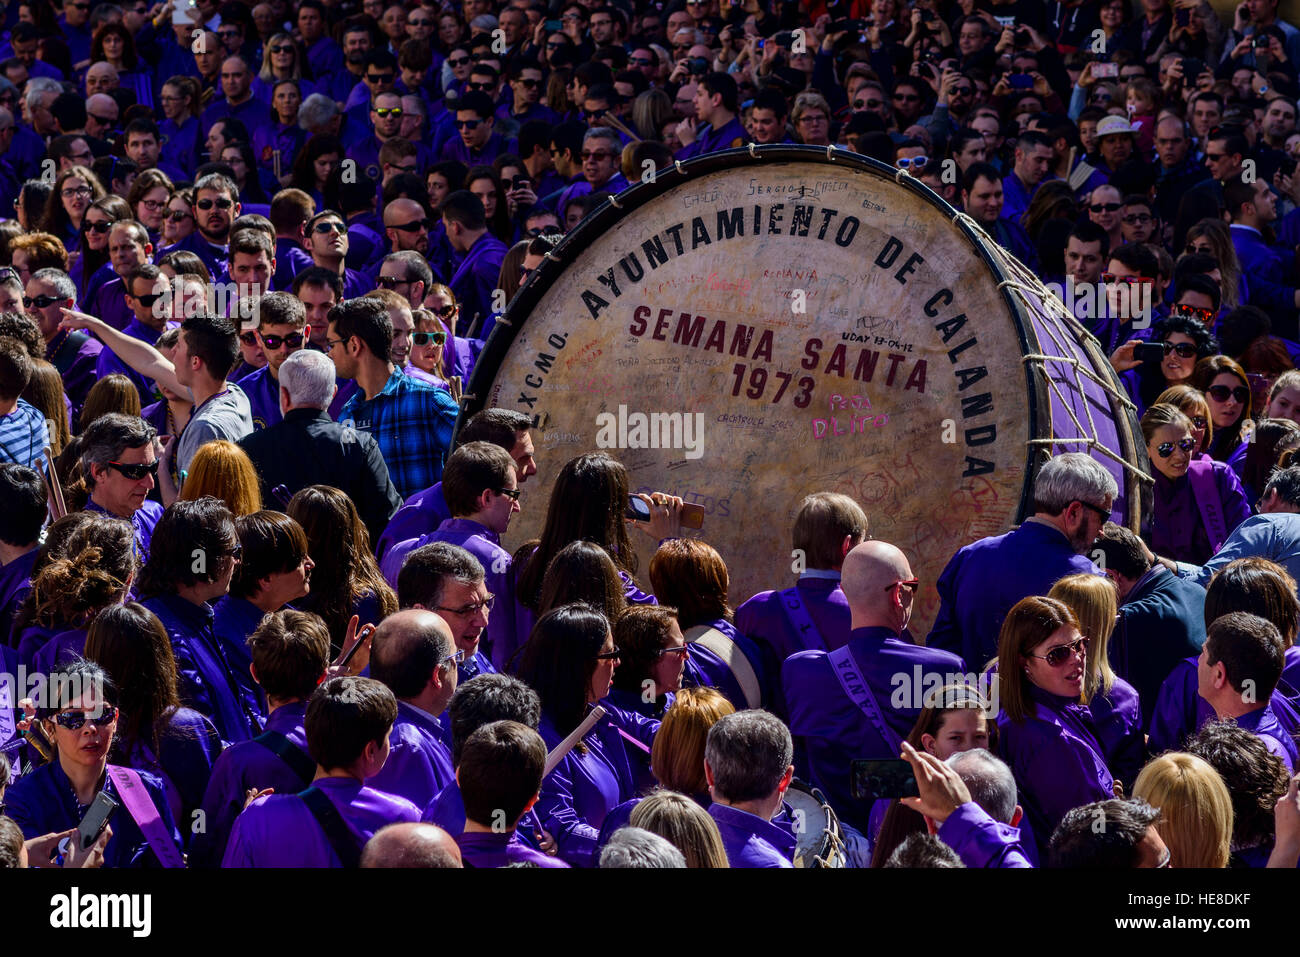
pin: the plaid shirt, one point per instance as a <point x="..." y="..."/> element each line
<point x="23" y="436"/>
<point x="412" y="424"/>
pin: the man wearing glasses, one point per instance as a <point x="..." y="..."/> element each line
<point x="449" y="581"/>
<point x="526" y="85"/>
<point x="481" y="489"/>
<point x="845" y="704"/>
<point x="76" y="31"/>
<point x="407" y="227"/>
<point x="216" y="204"/>
<point x="476" y="141"/>
<point x="121" y="469"/>
<point x="1073" y="498"/>
<point x="74" y="354"/>
<point x="281" y="331"/>
<point x="414" y="654"/>
<point x="327" y="241"/>
<point x="385" y="120"/>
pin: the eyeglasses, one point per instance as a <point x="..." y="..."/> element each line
<point x="1135" y="219"/>
<point x="1203" y="316"/>
<point x="386" y="111"/>
<point x="329" y="227"/>
<point x="597" y="154"/>
<point x="1184" y="350"/>
<point x="1102" y="513"/>
<point x="1105" y="207"/>
<point x="135" y="472"/>
<point x="228" y="34"/>
<point x="1063" y="653"/>
<point x="425" y="338"/>
<point x="78" y="191"/>
<point x="42" y="302"/>
<point x="153" y="205"/>
<point x="907" y="97"/>
<point x="446" y="312"/>
<point x="1194" y="248"/>
<point x="510" y="493"/>
<point x="206" y="204"/>
<point x="283" y="48"/>
<point x="334" y="342"/>
<point x="641" y="61"/>
<point x="379" y="77"/>
<point x="458" y="60"/>
<point x="458" y="657"/>
<point x="148" y="299"/>
<point x="103" y="120"/>
<point x="593" y="114"/>
<point x="176" y="216"/>
<point x="915" y="162"/>
<point x="471" y="609"/>
<point x="419" y="23"/>
<point x="528" y="83"/>
<point x="76" y="720"/>
<point x="1215" y="157"/>
<point x="813" y="118"/>
<point x="1222" y="393"/>
<point x="467" y="124"/>
<point x="911" y="584"/>
<point x="99" y="227"/>
<point x="1198" y="421"/>
<point x="1166" y="449"/>
<point x="868" y="104"/>
<point x="963" y="90"/>
<point x="609" y="655"/>
<point x="293" y="340"/>
<point x="682" y="650"/>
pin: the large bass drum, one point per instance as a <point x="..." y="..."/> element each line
<point x="763" y="323"/>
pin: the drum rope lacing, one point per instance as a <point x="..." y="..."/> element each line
<point x="1027" y="284"/>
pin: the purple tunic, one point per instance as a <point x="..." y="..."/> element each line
<point x="476" y="277"/>
<point x="110" y="305"/>
<point x="447" y="810"/>
<point x="984" y="579"/>
<point x="1179" y="710"/>
<point x="481" y="849"/>
<point x="15" y="583"/>
<point x="763" y="618"/>
<point x="143" y="521"/>
<point x="263" y="391"/>
<point x="59" y="650"/>
<point x="1264" y="724"/>
<point x="981" y="841"/>
<point x="1117" y="716"/>
<point x="75" y="355"/>
<point x="280" y="831"/>
<point x="1177" y="529"/>
<point x="109" y="363"/>
<point x="1056" y="758"/>
<point x="422" y="513"/>
<point x="750" y="841"/>
<point x="419" y="761"/>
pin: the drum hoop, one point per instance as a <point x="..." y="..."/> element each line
<point x="610" y="212"/>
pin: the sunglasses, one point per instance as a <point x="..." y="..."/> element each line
<point x="248" y="338"/>
<point x="206" y="204"/>
<point x="1166" y="449"/>
<point x="426" y="338"/>
<point x="1198" y="421"/>
<point x="1063" y="653"/>
<point x="446" y="312"/>
<point x="293" y="340"/>
<point x="1110" y="278"/>
<point x="383" y="112"/>
<point x="282" y="49"/>
<point x="1105" y="207"/>
<point x="529" y="83"/>
<point x="641" y="61"/>
<point x="480" y="87"/>
<point x="98" y="227"/>
<point x="76" y="720"/>
<point x="135" y="472"/>
<point x="467" y="124"/>
<point x="593" y="114"/>
<point x="915" y="162"/>
<point x="1193" y="248"/>
<point x="329" y="227"/>
<point x="912" y="584"/>
<point x="1203" y="316"/>
<point x="682" y="650"/>
<point x="458" y="60"/>
<point x="1135" y="219"/>
<point x="868" y="104"/>
<point x="78" y="191"/>
<point x="148" y="299"/>
<point x="1222" y="393"/>
<point x="414" y="226"/>
<point x="1184" y="350"/>
<point x="510" y="493"/>
<point x="609" y="655"/>
<point x="41" y="302"/>
<point x="176" y="216"/>
<point x="379" y="77"/>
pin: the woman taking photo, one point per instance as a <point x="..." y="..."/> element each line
<point x="1185" y="342"/>
<point x="1227" y="390"/>
<point x="1044" y="733"/>
<point x="81" y="720"/>
<point x="570" y="661"/>
<point x="1197" y="503"/>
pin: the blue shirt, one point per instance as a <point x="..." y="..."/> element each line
<point x="412" y="424"/>
<point x="23" y="436"/>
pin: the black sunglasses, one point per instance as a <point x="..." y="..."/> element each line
<point x="293" y="340"/>
<point x="329" y="227"/>
<point x="610" y="655"/>
<point x="414" y="226"/>
<point x="76" y="720"/>
<point x="206" y="204"/>
<point x="135" y="472"/>
<point x="1222" y="393"/>
<point x="1184" y="350"/>
<point x="467" y="124"/>
<point x="379" y="78"/>
<point x="248" y="338"/>
<point x="98" y="227"/>
<point x="510" y="493"/>
<point x="148" y="299"/>
<point x="41" y="302"/>
<point x="446" y="312"/>
<point x="1166" y="449"/>
<point x="425" y="338"/>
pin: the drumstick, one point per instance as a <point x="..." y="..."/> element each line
<point x="568" y="744"/>
<point x="58" y="508"/>
<point x="615" y="122"/>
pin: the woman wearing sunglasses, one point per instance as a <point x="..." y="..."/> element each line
<point x="1185" y="341"/>
<point x="570" y="660"/>
<point x="1192" y="403"/>
<point x="1227" y="390"/>
<point x="1197" y="503"/>
<point x="81" y="720"/>
<point x="1044" y="733"/>
<point x="93" y="269"/>
<point x="281" y="60"/>
<point x="178" y="222"/>
<point x="74" y="190"/>
<point x="427" y="344"/>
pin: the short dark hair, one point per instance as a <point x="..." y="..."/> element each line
<point x="1089" y="232"/>
<point x="1031" y="139"/>
<point x="1250" y="648"/>
<point x="770" y="99"/>
<point x="500" y="771"/>
<point x="417" y="267"/>
<point x="15" y="368"/>
<point x="723" y="85"/>
<point x="272" y="544"/>
<point x="978" y="171"/>
<point x="498" y="426"/>
<point x="470" y="470"/>
<point x="567" y="137"/>
<point x="290" y="651"/>
<point x="187" y="529"/>
<point x="368" y="320"/>
<point x="1286" y="482"/>
<point x="105" y="439"/>
<point x="250" y="242"/>
<point x="465" y="208"/>
<point x="215" y="340"/>
<point x="533" y="134"/>
<point x="23" y="492"/>
<point x="478" y="102"/>
<point x="488" y="698"/>
<point x="141" y="127"/>
<point x="318" y="276"/>
<point x="1199" y="283"/>
<point x="1122" y="551"/>
<point x="344" y="715"/>
<point x="1138" y="257"/>
<point x="1078" y="842"/>
<point x="426" y="570"/>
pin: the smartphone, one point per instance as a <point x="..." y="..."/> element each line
<point x="1259" y="41"/>
<point x="1105" y="71"/>
<point x="873" y="780"/>
<point x="554" y="25"/>
<point x="1192" y="68"/>
<point x="96" y="819"/>
<point x="366" y="630"/>
<point x="1021" y="81"/>
<point x="698" y="66"/>
<point x="1288" y="166"/>
<point x="1005" y="21"/>
<point x="1182" y="17"/>
<point x="760" y="43"/>
<point x="1149" y="352"/>
<point x="637" y="509"/>
<point x="927" y="16"/>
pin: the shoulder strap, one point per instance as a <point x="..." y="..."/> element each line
<point x="298" y="760"/>
<point x="731" y="655"/>
<point x="859" y="691"/>
<point x="335" y="828"/>
<point x="797" y="614"/>
<point x="1205" y="491"/>
<point x="131" y="789"/>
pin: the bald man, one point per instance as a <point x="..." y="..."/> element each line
<point x="861" y="700"/>
<point x="407" y="226"/>
<point x="411" y="845"/>
<point x="101" y="78"/>
<point x="414" y="654"/>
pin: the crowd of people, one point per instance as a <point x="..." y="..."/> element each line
<point x="252" y="252"/>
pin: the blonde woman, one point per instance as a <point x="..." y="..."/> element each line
<point x="1195" y="809"/>
<point x="1116" y="711"/>
<point x="685" y="825"/>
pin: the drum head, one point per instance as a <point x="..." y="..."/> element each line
<point x="755" y="327"/>
<point x="811" y="823"/>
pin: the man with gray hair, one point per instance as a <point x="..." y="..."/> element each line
<point x="307" y="446"/>
<point x="637" y="847"/>
<point x="413" y="653"/>
<point x="39" y="96"/>
<point x="410" y="844"/>
<point x="318" y="114"/>
<point x="119" y="464"/>
<point x="748" y="759"/>
<point x="1073" y="497"/>
<point x="73" y="352"/>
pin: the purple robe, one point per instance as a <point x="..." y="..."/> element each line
<point x="280" y="831"/>
<point x="1056" y="759"/>
<point x="75" y="355"/>
<point x="110" y="364"/>
<point x="419" y="761"/>
<point x="709" y="669"/>
<point x="143" y="520"/>
<point x="61" y="649"/>
<point x="422" y="513"/>
<point x="981" y="841"/>
<point x="15" y="583"/>
<point x="110" y="305"/>
<point x="263" y="391"/>
<point x="1264" y="724"/>
<point x="750" y="841"/>
<point x="479" y="849"/>
<point x="833" y="730"/>
<point x="476" y="277"/>
<point x="763" y="618"/>
<point x="1177" y="529"/>
<point x="984" y="579"/>
<point x="447" y="809"/>
<point x="1117" y="716"/>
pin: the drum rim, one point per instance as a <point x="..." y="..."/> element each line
<point x="614" y="209"/>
